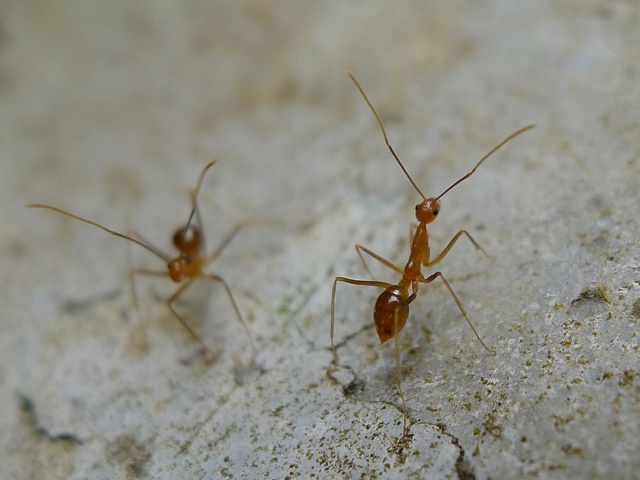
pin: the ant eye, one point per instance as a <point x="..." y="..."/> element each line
<point x="417" y="206"/>
<point x="435" y="211"/>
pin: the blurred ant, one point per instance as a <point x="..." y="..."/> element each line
<point x="185" y="268"/>
<point x="392" y="306"/>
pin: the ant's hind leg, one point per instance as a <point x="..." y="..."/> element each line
<point x="216" y="253"/>
<point x="186" y="324"/>
<point x="216" y="278"/>
<point x="396" y="344"/>
<point x="140" y="340"/>
<point x="430" y="279"/>
<point x="452" y="243"/>
<point x="368" y="283"/>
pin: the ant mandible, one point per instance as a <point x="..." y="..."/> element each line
<point x="184" y="269"/>
<point x="392" y="306"/>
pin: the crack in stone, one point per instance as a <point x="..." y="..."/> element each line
<point x="463" y="467"/>
<point x="79" y="306"/>
<point x="186" y="445"/>
<point x="28" y="409"/>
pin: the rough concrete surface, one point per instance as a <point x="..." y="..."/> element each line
<point x="111" y="109"/>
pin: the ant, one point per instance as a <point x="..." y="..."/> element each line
<point x="391" y="310"/>
<point x="184" y="269"/>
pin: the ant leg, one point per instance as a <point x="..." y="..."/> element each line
<point x="170" y="301"/>
<point x="216" y="278"/>
<point x="134" y="294"/>
<point x="431" y="278"/>
<point x="451" y="243"/>
<point x="384" y="261"/>
<point x="369" y="283"/>
<point x="181" y="319"/>
<point x="216" y="253"/>
<point x="396" y="344"/>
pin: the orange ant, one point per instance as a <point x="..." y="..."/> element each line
<point x="186" y="267"/>
<point x="392" y="306"/>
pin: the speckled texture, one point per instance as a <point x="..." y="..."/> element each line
<point x="111" y="109"/>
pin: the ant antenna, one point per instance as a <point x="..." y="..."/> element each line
<point x="153" y="250"/>
<point x="384" y="133"/>
<point x="194" y="195"/>
<point x="386" y="140"/>
<point x="464" y="177"/>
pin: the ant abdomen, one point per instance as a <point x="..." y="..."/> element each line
<point x="391" y="311"/>
<point x="188" y="240"/>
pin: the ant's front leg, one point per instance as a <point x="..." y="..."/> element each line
<point x="452" y="243"/>
<point x="431" y="278"/>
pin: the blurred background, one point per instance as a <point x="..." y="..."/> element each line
<point x="111" y="110"/>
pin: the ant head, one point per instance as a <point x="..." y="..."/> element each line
<point x="427" y="211"/>
<point x="188" y="239"/>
